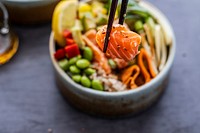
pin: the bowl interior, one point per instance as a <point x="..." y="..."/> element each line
<point x="158" y="15"/>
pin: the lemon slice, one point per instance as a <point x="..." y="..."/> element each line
<point x="64" y="17"/>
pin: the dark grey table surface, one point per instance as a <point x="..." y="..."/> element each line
<point x="31" y="103"/>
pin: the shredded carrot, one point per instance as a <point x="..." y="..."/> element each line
<point x="129" y="76"/>
<point x="141" y="58"/>
<point x="152" y="57"/>
<point x="98" y="55"/>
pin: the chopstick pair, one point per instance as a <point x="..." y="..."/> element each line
<point x="111" y="19"/>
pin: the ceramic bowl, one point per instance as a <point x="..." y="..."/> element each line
<point x="114" y="104"/>
<point x="30" y="11"/>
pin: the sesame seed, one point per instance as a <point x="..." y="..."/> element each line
<point x="118" y="47"/>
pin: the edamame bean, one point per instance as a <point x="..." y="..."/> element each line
<point x="87" y="53"/>
<point x="138" y="25"/>
<point x="79" y="56"/>
<point x="82" y="63"/>
<point x="77" y="78"/>
<point x="112" y="64"/>
<point x="64" y="64"/>
<point x="97" y="85"/>
<point x="85" y="81"/>
<point x="74" y="70"/>
<point x="73" y="60"/>
<point x="89" y="71"/>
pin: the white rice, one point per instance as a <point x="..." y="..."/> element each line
<point x="110" y="82"/>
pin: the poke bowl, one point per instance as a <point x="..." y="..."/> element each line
<point x="127" y="89"/>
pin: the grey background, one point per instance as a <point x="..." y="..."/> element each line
<point x="31" y="103"/>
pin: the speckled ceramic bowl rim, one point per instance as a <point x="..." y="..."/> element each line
<point x="123" y="93"/>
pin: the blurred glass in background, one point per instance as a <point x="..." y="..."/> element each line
<point x="30" y="11"/>
<point x="8" y="40"/>
<point x="20" y="12"/>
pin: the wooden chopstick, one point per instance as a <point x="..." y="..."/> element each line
<point x="110" y="23"/>
<point x="123" y="11"/>
<point x="111" y="19"/>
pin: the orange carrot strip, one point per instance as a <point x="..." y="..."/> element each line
<point x="148" y="50"/>
<point x="98" y="55"/>
<point x="144" y="56"/>
<point x="129" y="76"/>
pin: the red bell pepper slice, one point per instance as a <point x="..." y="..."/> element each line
<point x="67" y="34"/>
<point x="69" y="41"/>
<point x="72" y="50"/>
<point x="59" y="54"/>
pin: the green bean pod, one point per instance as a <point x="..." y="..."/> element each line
<point x="74" y="70"/>
<point x="112" y="64"/>
<point x="82" y="64"/>
<point x="136" y="10"/>
<point x="73" y="60"/>
<point x="64" y="64"/>
<point x="88" y="53"/>
<point x="89" y="71"/>
<point x="97" y="85"/>
<point x="77" y="78"/>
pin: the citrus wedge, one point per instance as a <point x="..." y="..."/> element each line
<point x="64" y="18"/>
